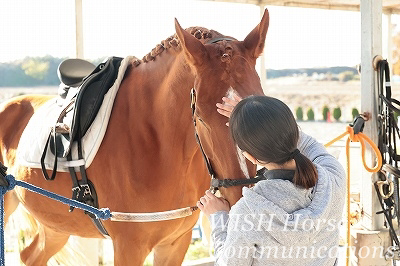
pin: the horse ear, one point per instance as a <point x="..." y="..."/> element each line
<point x="255" y="40"/>
<point x="195" y="51"/>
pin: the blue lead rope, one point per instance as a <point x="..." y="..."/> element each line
<point x="103" y="213"/>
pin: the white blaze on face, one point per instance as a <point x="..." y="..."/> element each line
<point x="242" y="163"/>
<point x="230" y="93"/>
<point x="242" y="159"/>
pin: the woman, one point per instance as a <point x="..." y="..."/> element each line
<point x="292" y="217"/>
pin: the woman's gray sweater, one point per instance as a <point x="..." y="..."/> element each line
<point x="278" y="223"/>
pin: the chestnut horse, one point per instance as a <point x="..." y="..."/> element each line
<point x="149" y="160"/>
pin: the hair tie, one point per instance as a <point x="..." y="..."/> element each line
<point x="294" y="153"/>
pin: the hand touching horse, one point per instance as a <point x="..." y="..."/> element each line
<point x="149" y="160"/>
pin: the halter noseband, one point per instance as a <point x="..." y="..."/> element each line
<point x="217" y="183"/>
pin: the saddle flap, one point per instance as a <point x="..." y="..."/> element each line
<point x="82" y="106"/>
<point x="91" y="95"/>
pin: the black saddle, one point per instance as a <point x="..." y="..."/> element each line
<point x="84" y="102"/>
<point x="72" y="71"/>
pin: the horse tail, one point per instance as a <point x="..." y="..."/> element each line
<point x="25" y="225"/>
<point x="28" y="227"/>
<point x="71" y="254"/>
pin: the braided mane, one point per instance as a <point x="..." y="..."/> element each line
<point x="172" y="41"/>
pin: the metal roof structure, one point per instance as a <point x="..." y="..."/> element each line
<point x="389" y="6"/>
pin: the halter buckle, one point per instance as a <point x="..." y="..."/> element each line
<point x="193" y="99"/>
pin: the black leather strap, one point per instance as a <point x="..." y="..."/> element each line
<point x="53" y="174"/>
<point x="388" y="125"/>
<point x="388" y="215"/>
<point x="210" y="169"/>
<point x="388" y="133"/>
<point x="235" y="182"/>
<point x="3" y="174"/>
<point x="99" y="225"/>
<point x="207" y="161"/>
<point x="220" y="39"/>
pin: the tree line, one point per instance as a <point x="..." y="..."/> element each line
<point x="277" y="73"/>
<point x="32" y="71"/>
<point x="42" y="71"/>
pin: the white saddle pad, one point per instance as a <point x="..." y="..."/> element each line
<point x="34" y="137"/>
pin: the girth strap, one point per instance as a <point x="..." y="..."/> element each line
<point x="83" y="190"/>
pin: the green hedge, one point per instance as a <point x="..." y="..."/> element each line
<point x="299" y="113"/>
<point x="310" y="114"/>
<point x="325" y="111"/>
<point x="337" y="113"/>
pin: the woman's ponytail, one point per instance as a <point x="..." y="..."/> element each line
<point x="306" y="174"/>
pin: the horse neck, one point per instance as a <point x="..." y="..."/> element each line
<point x="160" y="90"/>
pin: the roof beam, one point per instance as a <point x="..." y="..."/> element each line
<point x="79" y="29"/>
<point x="391" y="3"/>
<point x="318" y="5"/>
<point x="389" y="6"/>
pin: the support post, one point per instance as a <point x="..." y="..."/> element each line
<point x="263" y="72"/>
<point x="374" y="237"/>
<point x="79" y="29"/>
<point x="371" y="45"/>
<point x="390" y="41"/>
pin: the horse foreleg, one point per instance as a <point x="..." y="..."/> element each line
<point x="45" y="244"/>
<point x="172" y="254"/>
<point x="128" y="250"/>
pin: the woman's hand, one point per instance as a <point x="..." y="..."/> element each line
<point x="210" y="204"/>
<point x="226" y="107"/>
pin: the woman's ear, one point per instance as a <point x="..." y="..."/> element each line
<point x="250" y="157"/>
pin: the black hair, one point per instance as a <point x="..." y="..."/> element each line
<point x="266" y="128"/>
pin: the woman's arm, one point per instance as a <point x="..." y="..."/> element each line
<point x="318" y="154"/>
<point x="232" y="245"/>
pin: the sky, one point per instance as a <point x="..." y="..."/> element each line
<point x="297" y="37"/>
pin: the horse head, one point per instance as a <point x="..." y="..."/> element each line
<point x="222" y="66"/>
